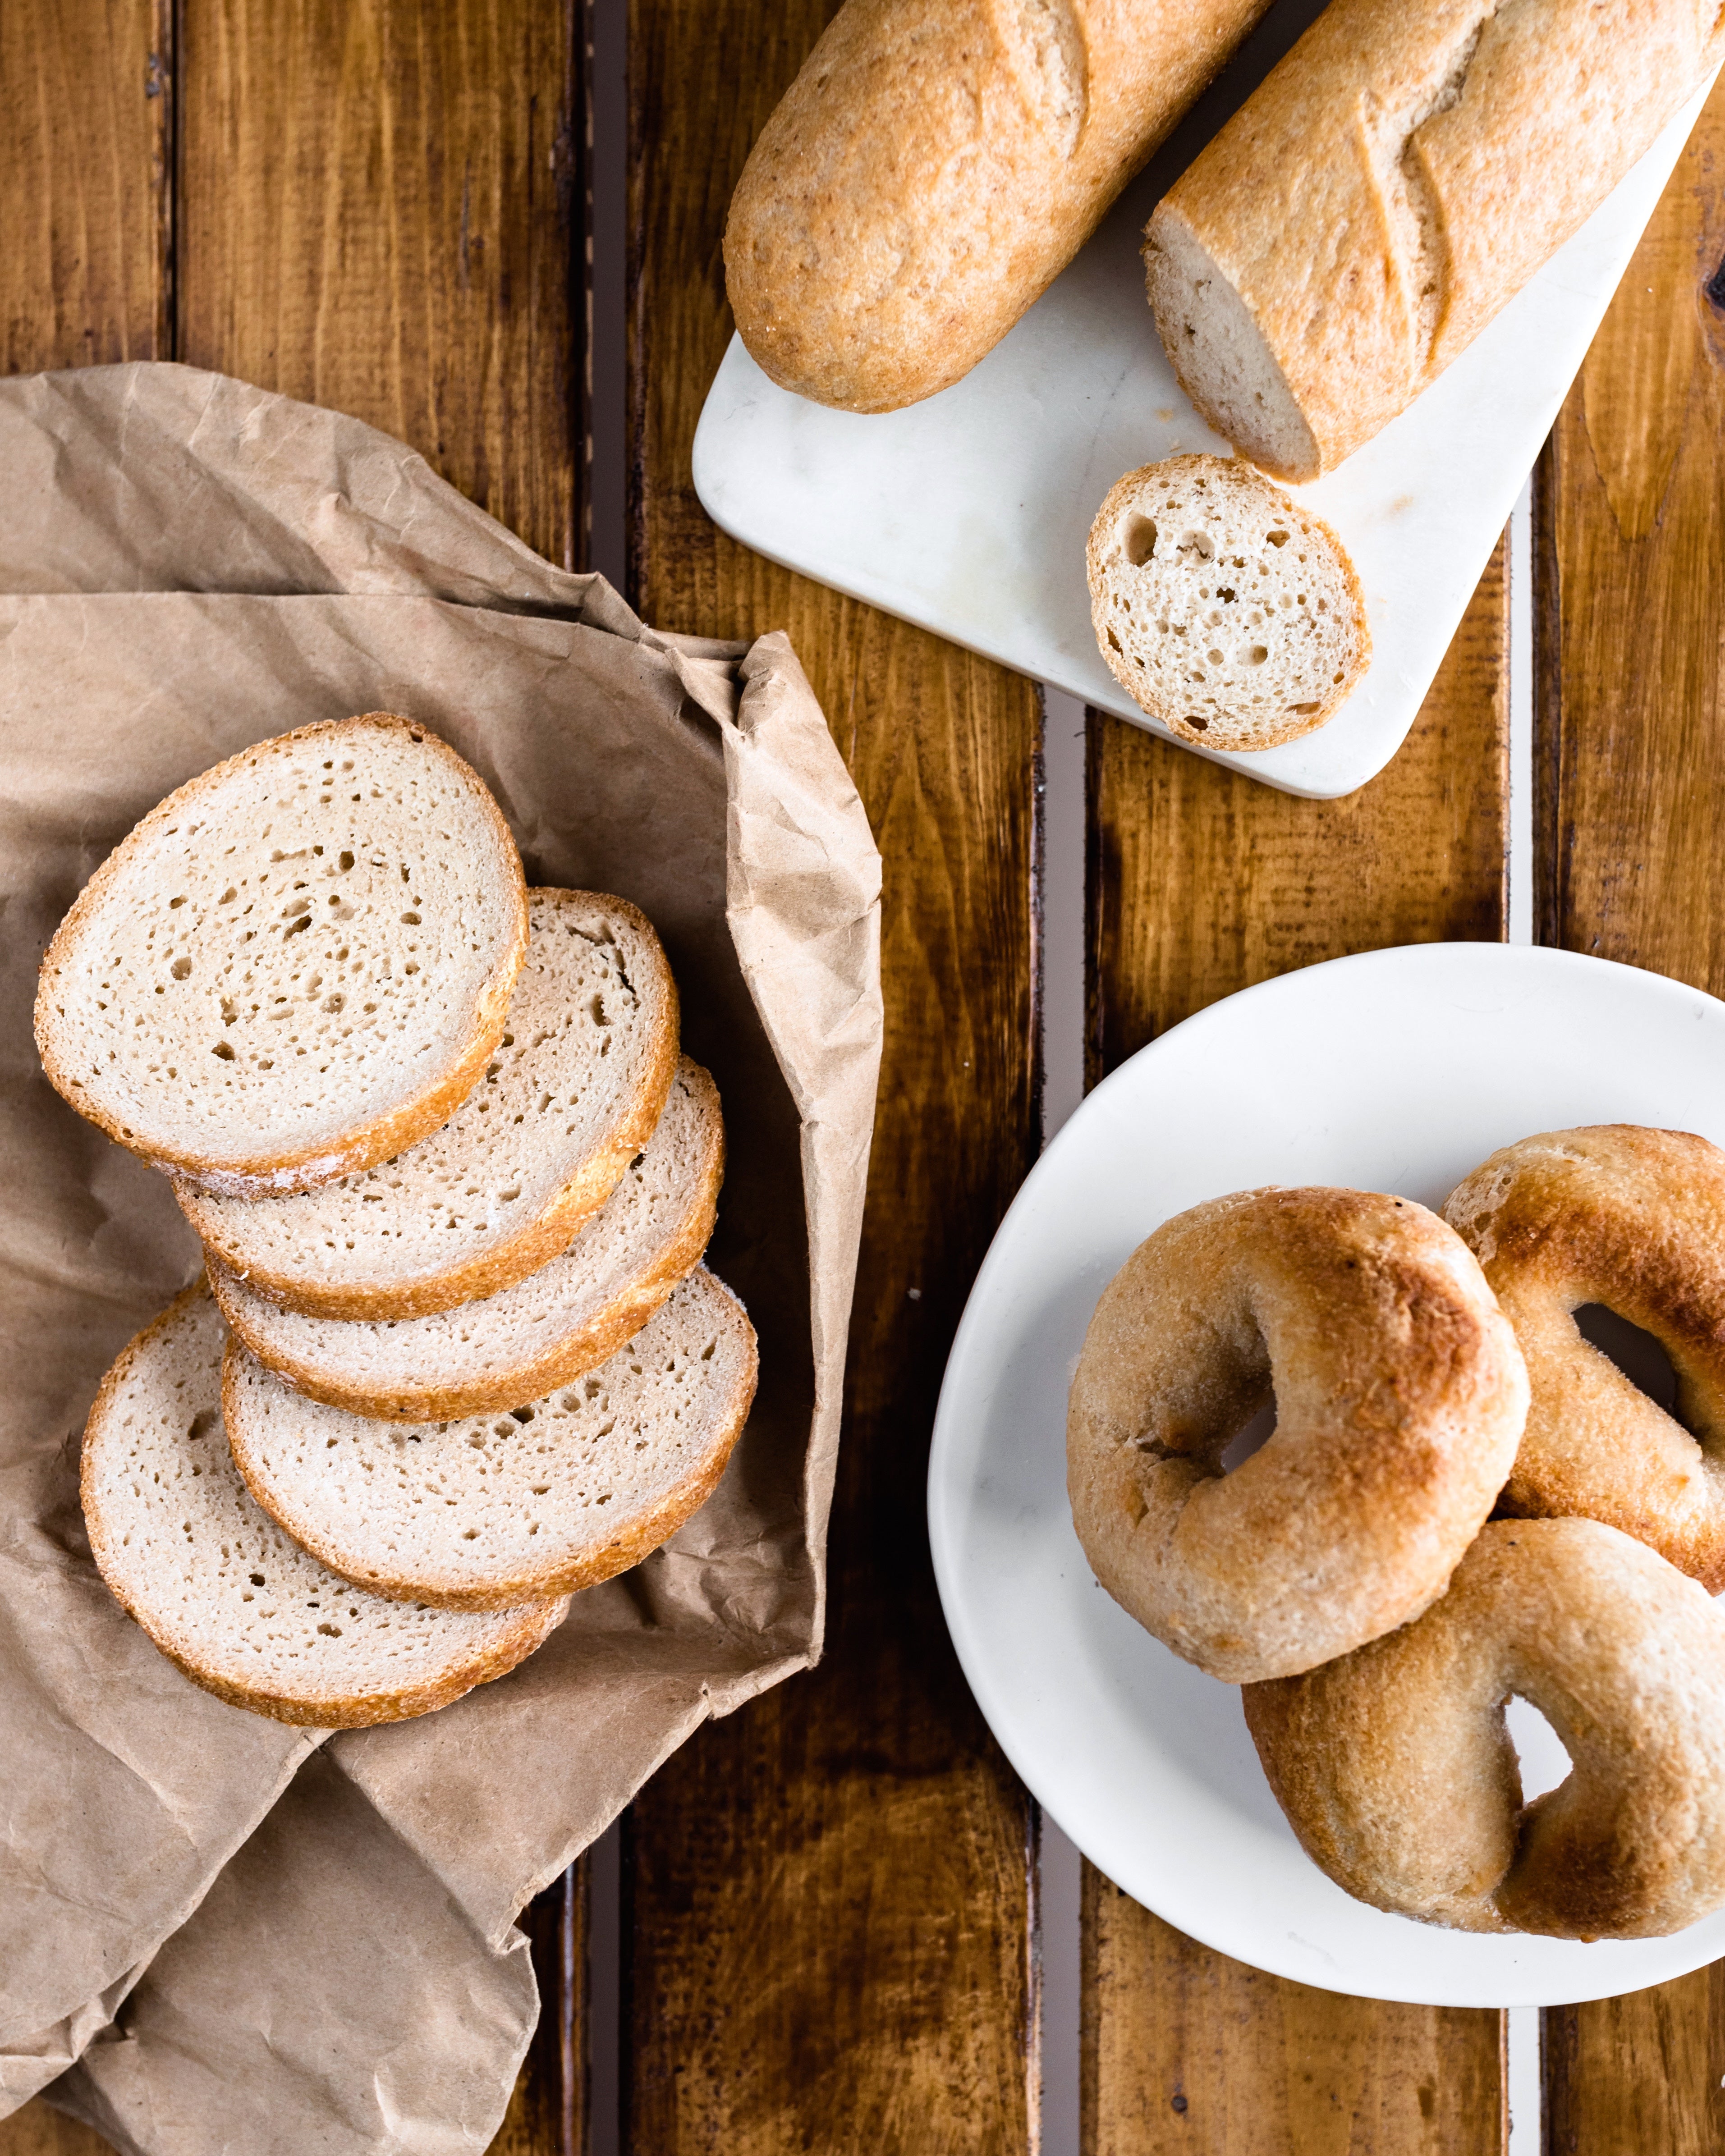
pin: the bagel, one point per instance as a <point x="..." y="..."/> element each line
<point x="1396" y="1770"/>
<point x="1634" y="1220"/>
<point x="1400" y="1394"/>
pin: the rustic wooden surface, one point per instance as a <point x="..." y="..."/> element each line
<point x="379" y="210"/>
<point x="1632" y="750"/>
<point x="828" y="1933"/>
<point x="1188" y="2053"/>
<point x="830" y="1898"/>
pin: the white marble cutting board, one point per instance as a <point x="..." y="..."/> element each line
<point x="967" y="514"/>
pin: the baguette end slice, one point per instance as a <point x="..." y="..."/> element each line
<point x="94" y="1040"/>
<point x="486" y="1513"/>
<point x="219" y="1587"/>
<point x="1226" y="611"/>
<point x="544" y="1332"/>
<point x="1220" y="356"/>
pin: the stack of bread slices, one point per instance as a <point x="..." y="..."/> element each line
<point x="455" y="1355"/>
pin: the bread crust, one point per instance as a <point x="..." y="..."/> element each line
<point x="378" y="1137"/>
<point x="935" y="166"/>
<point x="1396" y="1771"/>
<point x="537" y="1240"/>
<point x="1139" y="683"/>
<point x="1400" y="1394"/>
<point x="638" y="1538"/>
<point x="584" y="1349"/>
<point x="1633" y="1219"/>
<point x="1399" y="176"/>
<point x="510" y="1645"/>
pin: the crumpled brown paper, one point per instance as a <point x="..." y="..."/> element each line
<point x="187" y="565"/>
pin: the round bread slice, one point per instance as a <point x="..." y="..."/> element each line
<point x="488" y="1511"/>
<point x="219" y="1588"/>
<point x="574" y="1090"/>
<point x="1229" y="612"/>
<point x="546" y="1330"/>
<point x="294" y="967"/>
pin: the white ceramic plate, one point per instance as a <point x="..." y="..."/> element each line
<point x="1397" y="1070"/>
<point x="968" y="513"/>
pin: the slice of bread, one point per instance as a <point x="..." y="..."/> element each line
<point x="546" y="1330"/>
<point x="488" y="1511"/>
<point x="1229" y="612"/>
<point x="571" y="1096"/>
<point x="223" y="1592"/>
<point x="294" y="967"/>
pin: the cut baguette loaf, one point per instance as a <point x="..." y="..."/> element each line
<point x="294" y="966"/>
<point x="571" y="1096"/>
<point x="1387" y="189"/>
<point x="544" y="1332"/>
<point x="933" y="168"/>
<point x="486" y="1512"/>
<point x="1227" y="611"/>
<point x="219" y="1588"/>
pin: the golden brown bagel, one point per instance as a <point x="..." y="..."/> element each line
<point x="1400" y="1395"/>
<point x="1397" y="1773"/>
<point x="1633" y="1219"/>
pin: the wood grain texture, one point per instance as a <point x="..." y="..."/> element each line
<point x="1630" y="557"/>
<point x="1201" y="883"/>
<point x="86" y="130"/>
<point x="1632" y="545"/>
<point x="829" y="1945"/>
<point x="86" y="101"/>
<point x="381" y="212"/>
<point x="1188" y="2053"/>
<point x="1632" y="2076"/>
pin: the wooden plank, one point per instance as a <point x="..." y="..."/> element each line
<point x="828" y="1942"/>
<point x="1188" y="2053"/>
<point x="85" y="129"/>
<point x="382" y="212"/>
<point x="1201" y="883"/>
<point x="547" y="2107"/>
<point x="86" y="96"/>
<point x="1631" y="754"/>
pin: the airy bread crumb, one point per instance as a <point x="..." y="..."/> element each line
<point x="1229" y="612"/>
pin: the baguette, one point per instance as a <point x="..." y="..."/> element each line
<point x="1387" y="189"/>
<point x="933" y="168"/>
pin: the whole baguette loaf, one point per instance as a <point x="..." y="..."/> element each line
<point x="1387" y="189"/>
<point x="936" y="165"/>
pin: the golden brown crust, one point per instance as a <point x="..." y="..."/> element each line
<point x="932" y="169"/>
<point x="1400" y="175"/>
<point x="1633" y="1219"/>
<point x="1400" y="1394"/>
<point x="643" y="1535"/>
<point x="381" y="1137"/>
<point x="1395" y="1769"/>
<point x="501" y="1265"/>
<point x="535" y="1621"/>
<point x="582" y="1350"/>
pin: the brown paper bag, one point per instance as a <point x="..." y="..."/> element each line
<point x="187" y="565"/>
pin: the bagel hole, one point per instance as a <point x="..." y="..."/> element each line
<point x="1636" y="1353"/>
<point x="1544" y="1762"/>
<point x="1257" y="1435"/>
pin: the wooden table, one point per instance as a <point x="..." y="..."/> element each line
<point x="831" y="1938"/>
